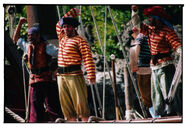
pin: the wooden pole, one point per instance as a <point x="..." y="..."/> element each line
<point x="114" y="87"/>
<point x="47" y="18"/>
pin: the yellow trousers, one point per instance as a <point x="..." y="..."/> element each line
<point x="73" y="96"/>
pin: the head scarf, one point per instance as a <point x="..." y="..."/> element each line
<point x="34" y="30"/>
<point x="70" y="21"/>
<point x="157" y="12"/>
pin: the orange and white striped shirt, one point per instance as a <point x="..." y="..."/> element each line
<point x="161" y="40"/>
<point x="72" y="51"/>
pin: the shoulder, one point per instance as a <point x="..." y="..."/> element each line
<point x="167" y="29"/>
<point x="79" y="38"/>
<point x="20" y="41"/>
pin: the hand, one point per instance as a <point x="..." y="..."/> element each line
<point x="92" y="81"/>
<point x="25" y="56"/>
<point x="22" y="20"/>
<point x="77" y="11"/>
<point x="135" y="30"/>
<point x="134" y="68"/>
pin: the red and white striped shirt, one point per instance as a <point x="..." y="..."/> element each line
<point x="72" y="51"/>
<point x="161" y="40"/>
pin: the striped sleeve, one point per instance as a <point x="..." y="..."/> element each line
<point x="173" y="39"/>
<point x="59" y="30"/>
<point x="87" y="59"/>
<point x="72" y="13"/>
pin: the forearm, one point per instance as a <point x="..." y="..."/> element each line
<point x="135" y="19"/>
<point x="17" y="33"/>
<point x="18" y="29"/>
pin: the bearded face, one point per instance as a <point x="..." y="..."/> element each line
<point x="33" y="37"/>
<point x="152" y="21"/>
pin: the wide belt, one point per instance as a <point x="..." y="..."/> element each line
<point x="39" y="70"/>
<point x="160" y="56"/>
<point x="69" y="69"/>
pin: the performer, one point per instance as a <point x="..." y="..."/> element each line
<point x="42" y="89"/>
<point x="73" y="49"/>
<point x="162" y="39"/>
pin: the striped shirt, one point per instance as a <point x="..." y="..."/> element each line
<point x="162" y="40"/>
<point x="144" y="55"/>
<point x="74" y="50"/>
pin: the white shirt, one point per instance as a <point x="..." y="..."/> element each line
<point x="50" y="48"/>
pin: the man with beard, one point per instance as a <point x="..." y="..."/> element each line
<point x="162" y="40"/>
<point x="73" y="49"/>
<point x="42" y="90"/>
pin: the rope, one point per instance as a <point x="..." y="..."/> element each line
<point x="94" y="102"/>
<point x="27" y="109"/>
<point x="94" y="119"/>
<point x="15" y="116"/>
<point x="24" y="82"/>
<point x="27" y="99"/>
<point x="131" y="75"/>
<point x="58" y="12"/>
<point x="64" y="10"/>
<point x="98" y="35"/>
<point x="105" y="31"/>
<point x="81" y="23"/>
<point x="99" y="100"/>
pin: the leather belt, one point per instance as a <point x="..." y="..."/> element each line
<point x="69" y="69"/>
<point x="160" y="56"/>
<point x="39" y="70"/>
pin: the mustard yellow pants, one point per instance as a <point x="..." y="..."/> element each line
<point x="73" y="96"/>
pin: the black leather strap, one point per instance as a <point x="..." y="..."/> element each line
<point x="62" y="70"/>
<point x="160" y="56"/>
<point x="40" y="70"/>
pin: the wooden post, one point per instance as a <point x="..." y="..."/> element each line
<point x="115" y="92"/>
<point x="47" y="18"/>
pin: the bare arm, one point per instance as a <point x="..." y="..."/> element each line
<point x="18" y="29"/>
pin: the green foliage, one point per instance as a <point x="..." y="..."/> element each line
<point x="21" y="12"/>
<point x="112" y="43"/>
<point x="121" y="14"/>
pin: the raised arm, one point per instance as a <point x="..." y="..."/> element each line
<point x="16" y="36"/>
<point x="135" y="16"/>
<point x="74" y="12"/>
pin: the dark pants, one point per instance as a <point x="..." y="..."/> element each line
<point x="40" y="93"/>
<point x="144" y="85"/>
<point x="161" y="83"/>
